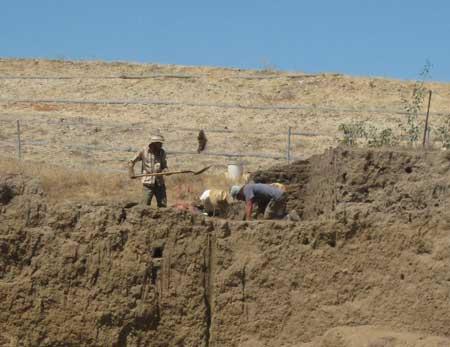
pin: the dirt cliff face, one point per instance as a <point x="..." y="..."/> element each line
<point x="372" y="251"/>
<point x="92" y="275"/>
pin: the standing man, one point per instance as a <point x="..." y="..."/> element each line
<point x="153" y="158"/>
<point x="270" y="199"/>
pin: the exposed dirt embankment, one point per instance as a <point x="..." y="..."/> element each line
<point x="372" y="251"/>
<point x="394" y="183"/>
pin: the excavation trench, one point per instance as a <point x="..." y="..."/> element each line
<point x="371" y="251"/>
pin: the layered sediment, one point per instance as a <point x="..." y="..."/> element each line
<point x="371" y="251"/>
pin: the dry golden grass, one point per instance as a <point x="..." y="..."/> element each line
<point x="329" y="100"/>
<point x="45" y="107"/>
<point x="61" y="183"/>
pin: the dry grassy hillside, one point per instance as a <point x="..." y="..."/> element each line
<point x="60" y="132"/>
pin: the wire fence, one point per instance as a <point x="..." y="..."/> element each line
<point x="20" y="144"/>
<point x="261" y="76"/>
<point x="16" y="145"/>
<point x="212" y="105"/>
<point x="11" y="117"/>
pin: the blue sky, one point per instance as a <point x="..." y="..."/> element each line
<point x="386" y="38"/>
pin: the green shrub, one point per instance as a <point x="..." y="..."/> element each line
<point x="360" y="132"/>
<point x="380" y="137"/>
<point x="352" y="132"/>
<point x="443" y="133"/>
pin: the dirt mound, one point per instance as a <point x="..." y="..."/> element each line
<point x="372" y="250"/>
<point x="377" y="181"/>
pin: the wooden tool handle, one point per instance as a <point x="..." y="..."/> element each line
<point x="168" y="173"/>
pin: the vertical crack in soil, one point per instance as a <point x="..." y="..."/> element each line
<point x="243" y="280"/>
<point x="123" y="335"/>
<point x="207" y="289"/>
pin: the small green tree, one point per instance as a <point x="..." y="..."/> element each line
<point x="413" y="105"/>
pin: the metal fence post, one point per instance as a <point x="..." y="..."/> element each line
<point x="19" y="144"/>
<point x="425" y="131"/>
<point x="288" y="150"/>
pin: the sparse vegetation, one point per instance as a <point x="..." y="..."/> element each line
<point x="361" y="132"/>
<point x="267" y="67"/>
<point x="279" y="94"/>
<point x="380" y="137"/>
<point x="443" y="133"/>
<point x="364" y="133"/>
<point x="413" y="105"/>
<point x="352" y="132"/>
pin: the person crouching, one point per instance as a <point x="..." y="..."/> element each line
<point x="263" y="195"/>
<point x="215" y="202"/>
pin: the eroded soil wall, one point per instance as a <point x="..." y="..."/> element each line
<point x="372" y="249"/>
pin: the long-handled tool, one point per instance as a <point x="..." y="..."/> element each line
<point x="168" y="173"/>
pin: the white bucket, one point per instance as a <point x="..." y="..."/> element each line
<point x="235" y="171"/>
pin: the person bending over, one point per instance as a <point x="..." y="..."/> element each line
<point x="272" y="199"/>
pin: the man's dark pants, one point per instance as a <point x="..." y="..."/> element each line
<point x="157" y="190"/>
<point x="276" y="208"/>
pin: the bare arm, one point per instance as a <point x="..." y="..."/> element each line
<point x="132" y="162"/>
<point x="249" y="209"/>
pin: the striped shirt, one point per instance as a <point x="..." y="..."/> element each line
<point x="151" y="163"/>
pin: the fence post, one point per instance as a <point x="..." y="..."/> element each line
<point x="288" y="150"/>
<point x="19" y="144"/>
<point x="425" y="132"/>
